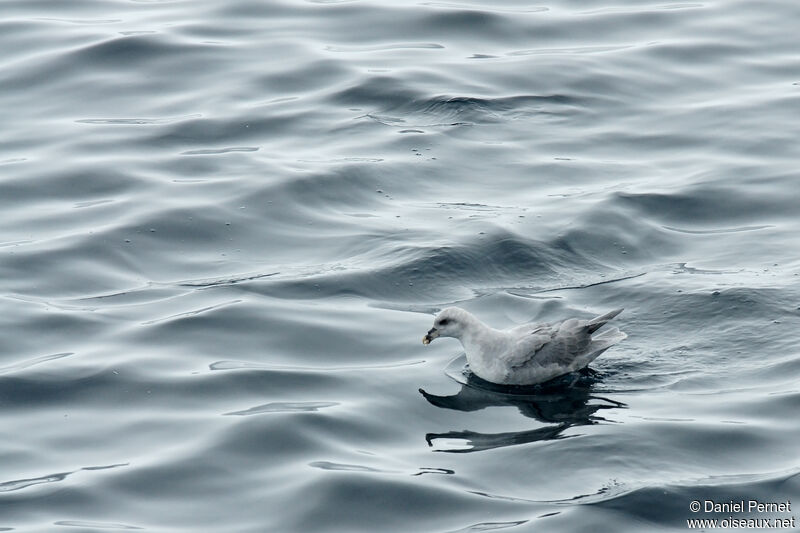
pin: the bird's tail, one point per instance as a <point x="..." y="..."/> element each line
<point x="598" y="322"/>
<point x="605" y="340"/>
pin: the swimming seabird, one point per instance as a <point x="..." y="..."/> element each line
<point x="526" y="354"/>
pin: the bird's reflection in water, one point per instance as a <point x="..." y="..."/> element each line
<point x="561" y="403"/>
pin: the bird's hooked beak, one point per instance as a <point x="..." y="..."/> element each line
<point x="432" y="334"/>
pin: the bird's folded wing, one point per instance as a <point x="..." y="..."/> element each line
<point x="527" y="347"/>
<point x="558" y="346"/>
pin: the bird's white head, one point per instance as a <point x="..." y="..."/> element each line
<point x="449" y="323"/>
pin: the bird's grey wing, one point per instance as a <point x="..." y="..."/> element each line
<point x="557" y="345"/>
<point x="531" y="339"/>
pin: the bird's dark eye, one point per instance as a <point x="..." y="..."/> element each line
<point x="444" y="321"/>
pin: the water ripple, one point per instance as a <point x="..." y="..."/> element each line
<point x="94" y="525"/>
<point x="19" y="484"/>
<point x="32" y="362"/>
<point x="284" y="407"/>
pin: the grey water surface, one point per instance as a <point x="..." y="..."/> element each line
<point x="227" y="225"/>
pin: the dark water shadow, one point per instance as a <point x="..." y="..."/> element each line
<point x="562" y="403"/>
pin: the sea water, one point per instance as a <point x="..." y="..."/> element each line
<point x="227" y="225"/>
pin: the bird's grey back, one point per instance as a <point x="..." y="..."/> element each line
<point x="570" y="342"/>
